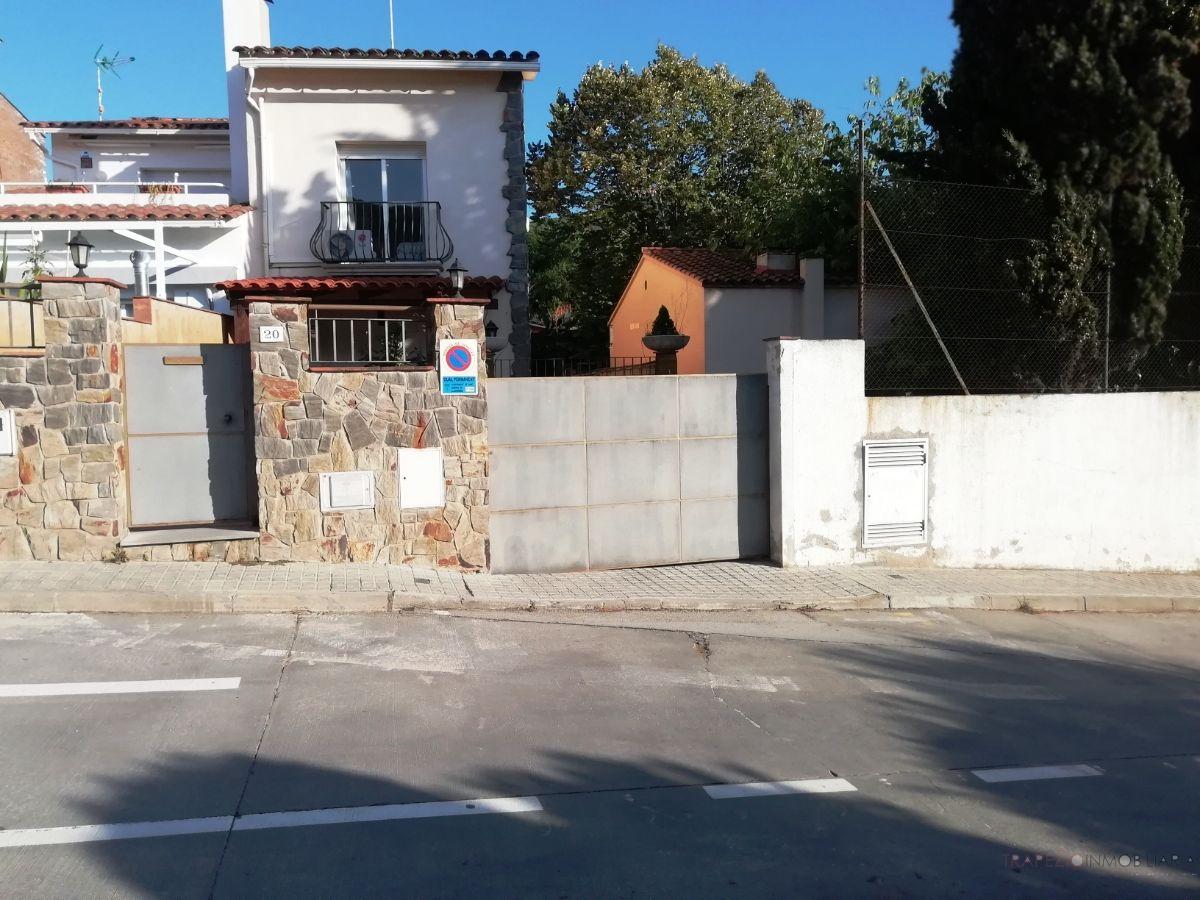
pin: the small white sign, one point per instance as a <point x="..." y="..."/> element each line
<point x="271" y="334"/>
<point x="8" y="440"/>
<point x="459" y="366"/>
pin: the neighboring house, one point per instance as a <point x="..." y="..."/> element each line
<point x="160" y="185"/>
<point x="727" y="302"/>
<point x="22" y="155"/>
<point x="353" y="176"/>
<point x="371" y="172"/>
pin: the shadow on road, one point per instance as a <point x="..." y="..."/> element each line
<point x="950" y="835"/>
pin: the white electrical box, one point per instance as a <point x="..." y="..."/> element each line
<point x="347" y="490"/>
<point x="422" y="477"/>
<point x="8" y="436"/>
<point x="895" y="492"/>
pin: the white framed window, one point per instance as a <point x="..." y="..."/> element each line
<point x="381" y="173"/>
<point x="383" y="215"/>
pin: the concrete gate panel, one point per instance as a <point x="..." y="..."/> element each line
<point x="612" y="472"/>
<point x="188" y="449"/>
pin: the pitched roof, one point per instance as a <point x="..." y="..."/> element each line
<point x="722" y="268"/>
<point x="138" y="122"/>
<point x="438" y="285"/>
<point x="131" y="212"/>
<point x="530" y="56"/>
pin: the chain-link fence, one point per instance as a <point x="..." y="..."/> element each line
<point x="948" y="305"/>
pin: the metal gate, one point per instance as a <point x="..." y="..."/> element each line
<point x="609" y="472"/>
<point x="186" y="413"/>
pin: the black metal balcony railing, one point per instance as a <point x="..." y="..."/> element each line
<point x="360" y="232"/>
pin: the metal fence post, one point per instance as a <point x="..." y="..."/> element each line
<point x="1107" y="322"/>
<point x="862" y="234"/>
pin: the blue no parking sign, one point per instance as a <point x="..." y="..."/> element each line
<point x="459" y="366"/>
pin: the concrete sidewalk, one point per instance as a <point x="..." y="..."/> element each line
<point x="318" y="587"/>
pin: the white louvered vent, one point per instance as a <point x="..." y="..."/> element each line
<point x="347" y="490"/>
<point x="895" y="496"/>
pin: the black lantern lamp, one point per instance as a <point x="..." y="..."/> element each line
<point x="491" y="329"/>
<point x="81" y="251"/>
<point x="458" y="277"/>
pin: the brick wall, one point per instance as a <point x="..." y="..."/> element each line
<point x="21" y="159"/>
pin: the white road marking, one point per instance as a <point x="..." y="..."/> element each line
<point x="86" y="834"/>
<point x="430" y="810"/>
<point x="774" y="788"/>
<point x="77" y="688"/>
<point x="82" y="834"/>
<point x="1035" y="773"/>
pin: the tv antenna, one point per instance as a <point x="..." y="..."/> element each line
<point x="391" y="25"/>
<point x="107" y="64"/>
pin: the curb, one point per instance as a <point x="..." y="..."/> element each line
<point x="397" y="601"/>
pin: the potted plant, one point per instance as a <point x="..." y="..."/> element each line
<point x="664" y="337"/>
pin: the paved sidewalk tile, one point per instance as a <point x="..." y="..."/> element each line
<point x="751" y="583"/>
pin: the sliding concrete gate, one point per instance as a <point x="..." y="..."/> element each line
<point x="611" y="472"/>
<point x="189" y="458"/>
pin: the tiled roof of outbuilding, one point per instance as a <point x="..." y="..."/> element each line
<point x="530" y="56"/>
<point x="720" y="268"/>
<point x="131" y="212"/>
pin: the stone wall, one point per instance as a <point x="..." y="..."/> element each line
<point x="63" y="493"/>
<point x="517" y="224"/>
<point x="307" y="422"/>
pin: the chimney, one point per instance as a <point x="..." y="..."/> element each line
<point x="776" y="262"/>
<point x="245" y="23"/>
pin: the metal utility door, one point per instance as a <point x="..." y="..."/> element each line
<point x="188" y="453"/>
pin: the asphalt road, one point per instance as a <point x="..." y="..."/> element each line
<point x="600" y="755"/>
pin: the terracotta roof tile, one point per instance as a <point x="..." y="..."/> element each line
<point x="317" y="284"/>
<point x="721" y="268"/>
<point x="361" y="53"/>
<point x="165" y="122"/>
<point x="131" y="212"/>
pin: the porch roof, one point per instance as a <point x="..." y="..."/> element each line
<point x="121" y="212"/>
<point x="477" y="288"/>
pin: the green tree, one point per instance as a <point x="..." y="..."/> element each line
<point x="897" y="142"/>
<point x="1082" y="102"/>
<point x="677" y="153"/>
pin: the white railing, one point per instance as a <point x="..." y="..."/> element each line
<point x="68" y="188"/>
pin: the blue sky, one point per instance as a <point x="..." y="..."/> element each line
<point x="822" y="51"/>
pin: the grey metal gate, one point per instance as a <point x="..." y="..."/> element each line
<point x="188" y="453"/>
<point x="610" y="472"/>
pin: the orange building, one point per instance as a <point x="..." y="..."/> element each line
<point x="728" y="302"/>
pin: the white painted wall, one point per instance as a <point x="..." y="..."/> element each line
<point x="125" y="158"/>
<point x="817" y="417"/>
<point x="1085" y="481"/>
<point x="454" y="117"/>
<point x="738" y="320"/>
<point x="244" y="23"/>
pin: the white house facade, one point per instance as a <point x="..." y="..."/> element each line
<point x="348" y="175"/>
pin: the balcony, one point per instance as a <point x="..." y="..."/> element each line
<point x="357" y="231"/>
<point x="66" y="193"/>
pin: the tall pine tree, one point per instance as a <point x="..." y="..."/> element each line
<point x="1083" y="100"/>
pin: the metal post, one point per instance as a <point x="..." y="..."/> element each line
<point x="1107" y="322"/>
<point x="160" y="265"/>
<point x="862" y="233"/>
